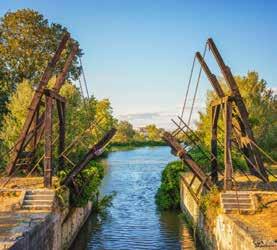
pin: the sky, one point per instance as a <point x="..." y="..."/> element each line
<point x="139" y="53"/>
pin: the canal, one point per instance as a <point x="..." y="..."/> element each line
<point x="133" y="222"/>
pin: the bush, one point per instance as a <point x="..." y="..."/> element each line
<point x="210" y="205"/>
<point x="168" y="194"/>
<point x="88" y="182"/>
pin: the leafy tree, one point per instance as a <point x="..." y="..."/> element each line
<point x="27" y="42"/>
<point x="18" y="108"/>
<point x="125" y="132"/>
<point x="153" y="133"/>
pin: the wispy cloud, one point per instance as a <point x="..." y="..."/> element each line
<point x="160" y="118"/>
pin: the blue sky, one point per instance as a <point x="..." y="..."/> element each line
<point x="139" y="53"/>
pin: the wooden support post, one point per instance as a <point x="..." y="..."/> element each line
<point x="227" y="147"/>
<point x="34" y="133"/>
<point x="61" y="112"/>
<point x="48" y="142"/>
<point x="214" y="164"/>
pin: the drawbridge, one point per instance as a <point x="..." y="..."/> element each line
<point x="237" y="134"/>
<point x="39" y="127"/>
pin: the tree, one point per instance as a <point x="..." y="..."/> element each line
<point x="27" y="42"/>
<point x="125" y="132"/>
<point x="153" y="133"/>
<point x="262" y="107"/>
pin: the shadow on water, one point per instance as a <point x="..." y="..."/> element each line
<point x="133" y="221"/>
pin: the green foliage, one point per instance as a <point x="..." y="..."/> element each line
<point x="168" y="194"/>
<point x="210" y="205"/>
<point x="128" y="138"/>
<point x="125" y="132"/>
<point x="88" y="182"/>
<point x="18" y="108"/>
<point x="99" y="205"/>
<point x="261" y="103"/>
<point x="27" y="42"/>
<point x="153" y="133"/>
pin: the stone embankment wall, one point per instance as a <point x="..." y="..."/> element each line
<point x="55" y="230"/>
<point x="226" y="234"/>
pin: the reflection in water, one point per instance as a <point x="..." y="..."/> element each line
<point x="134" y="222"/>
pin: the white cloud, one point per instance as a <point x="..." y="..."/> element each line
<point x="160" y="118"/>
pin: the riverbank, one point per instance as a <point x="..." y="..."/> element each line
<point x="116" y="146"/>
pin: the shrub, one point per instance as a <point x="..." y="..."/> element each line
<point x="168" y="194"/>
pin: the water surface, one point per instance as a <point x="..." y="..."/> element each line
<point x="134" y="221"/>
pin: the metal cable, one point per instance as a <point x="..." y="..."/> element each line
<point x="196" y="87"/>
<point x="188" y="87"/>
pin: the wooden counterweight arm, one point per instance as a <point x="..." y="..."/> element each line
<point x="61" y="77"/>
<point x="212" y="78"/>
<point x="185" y="157"/>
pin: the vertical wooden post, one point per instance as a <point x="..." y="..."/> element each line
<point x="227" y="146"/>
<point x="214" y="164"/>
<point x="35" y="133"/>
<point x="48" y="142"/>
<point x="61" y="112"/>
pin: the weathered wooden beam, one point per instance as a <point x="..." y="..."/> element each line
<point x="212" y="78"/>
<point x="194" y="196"/>
<point x="227" y="147"/>
<point x="48" y="142"/>
<point x="92" y="154"/>
<point x="54" y="95"/>
<point x="230" y="80"/>
<point x="61" y="113"/>
<point x="214" y="163"/>
<point x="222" y="100"/>
<point x="185" y="157"/>
<point x="35" y="102"/>
<point x="62" y="76"/>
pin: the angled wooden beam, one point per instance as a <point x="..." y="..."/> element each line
<point x="92" y="154"/>
<point x="185" y="157"/>
<point x="212" y="78"/>
<point x="54" y="95"/>
<point x="62" y="76"/>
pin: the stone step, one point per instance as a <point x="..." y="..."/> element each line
<point x="237" y="206"/>
<point x="37" y="202"/>
<point x="229" y="195"/>
<point x="230" y="211"/>
<point x="37" y="207"/>
<point x="39" y="196"/>
<point x="234" y="200"/>
<point x="40" y="191"/>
